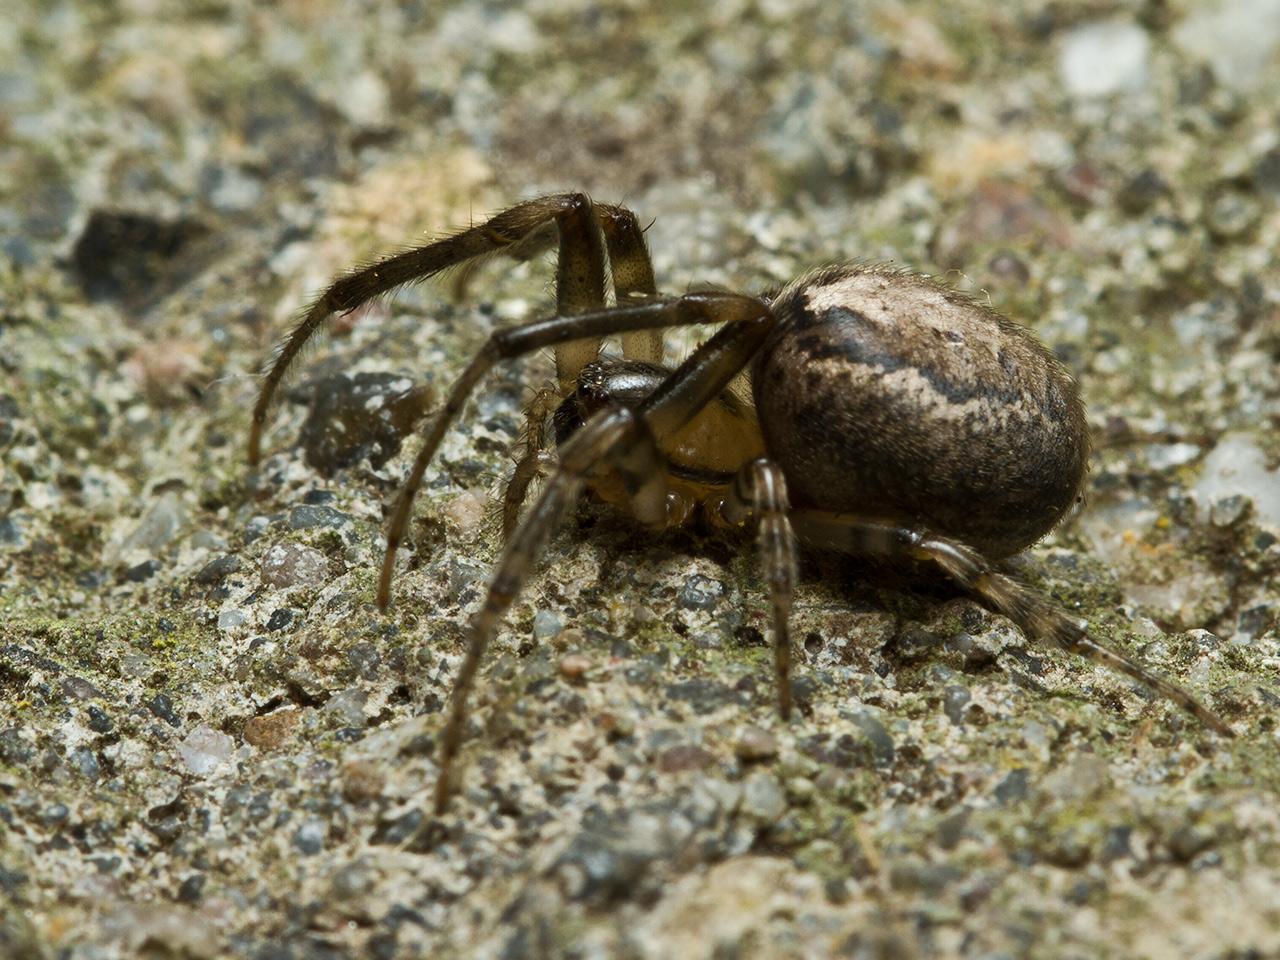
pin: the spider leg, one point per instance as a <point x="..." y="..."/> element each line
<point x="760" y="490"/>
<point x="632" y="272"/>
<point x="690" y="309"/>
<point x="534" y="457"/>
<point x="1038" y="618"/>
<point x="579" y="282"/>
<point x="616" y="438"/>
<point x="586" y="448"/>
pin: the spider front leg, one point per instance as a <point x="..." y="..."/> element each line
<point x="1039" y="619"/>
<point x="632" y="272"/>
<point x="618" y="439"/>
<point x="760" y="490"/>
<point x="586" y="449"/>
<point x="515" y="231"/>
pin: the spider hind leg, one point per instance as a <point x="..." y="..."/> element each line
<point x="1038" y="619"/>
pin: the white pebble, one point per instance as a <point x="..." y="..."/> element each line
<point x="1104" y="58"/>
<point x="205" y="749"/>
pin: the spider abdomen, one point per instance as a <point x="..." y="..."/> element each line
<point x="887" y="394"/>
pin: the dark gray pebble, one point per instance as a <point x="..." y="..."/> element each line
<point x="954" y="699"/>
<point x="316" y="515"/>
<point x="701" y="694"/>
<point x="1013" y="788"/>
<point x="218" y="568"/>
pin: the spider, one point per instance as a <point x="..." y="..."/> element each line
<point x="888" y="415"/>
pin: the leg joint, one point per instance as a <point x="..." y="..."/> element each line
<point x="577" y="203"/>
<point x="617" y="220"/>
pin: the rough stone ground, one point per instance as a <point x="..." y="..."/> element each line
<point x="211" y="744"/>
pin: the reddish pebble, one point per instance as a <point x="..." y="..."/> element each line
<point x="574" y="666"/>
<point x="686" y="756"/>
<point x="271" y="730"/>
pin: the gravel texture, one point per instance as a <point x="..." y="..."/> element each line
<point x="213" y="745"/>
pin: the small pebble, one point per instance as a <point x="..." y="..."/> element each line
<point x="882" y="747"/>
<point x="617" y="726"/>
<point x="86" y="761"/>
<point x="230" y="619"/>
<point x="1227" y="511"/>
<point x="954" y="699"/>
<point x="99" y="721"/>
<point x="700" y="593"/>
<point x="162" y="707"/>
<point x="574" y="667"/>
<point x="1232" y="214"/>
<point x="353" y="880"/>
<point x="755" y="743"/>
<point x="142" y="572"/>
<point x="271" y="730"/>
<point x="218" y="568"/>
<point x="255" y="527"/>
<point x="191" y="888"/>
<point x="348" y="705"/>
<point x="280" y="618"/>
<point x="685" y="756"/>
<point x="362" y="780"/>
<point x="546" y="624"/>
<point x="204" y="749"/>
<point x="762" y="798"/>
<point x="308" y="839"/>
<point x="1237" y="38"/>
<point x="359" y="416"/>
<point x="293" y="565"/>
<point x="1098" y="59"/>
<point x="800" y="790"/>
<point x="1012" y="788"/>
<point x="80" y="689"/>
<point x="464" y="513"/>
<point x="158" y="526"/>
<point x="316" y="515"/>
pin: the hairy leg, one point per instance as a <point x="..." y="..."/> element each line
<point x="583" y="451"/>
<point x="633" y="281"/>
<point x="532" y="460"/>
<point x="618" y="439"/>
<point x="579" y="285"/>
<point x="760" y="491"/>
<point x="579" y="281"/>
<point x="632" y="272"/>
<point x="1037" y="617"/>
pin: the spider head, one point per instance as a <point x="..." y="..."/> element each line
<point x="602" y="383"/>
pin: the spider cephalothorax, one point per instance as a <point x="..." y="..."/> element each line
<point x="887" y="415"/>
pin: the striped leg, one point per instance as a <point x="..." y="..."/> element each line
<point x="760" y="491"/>
<point x="1038" y="618"/>
<point x="587" y="447"/>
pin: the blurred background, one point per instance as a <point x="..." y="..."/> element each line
<point x="209" y="743"/>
